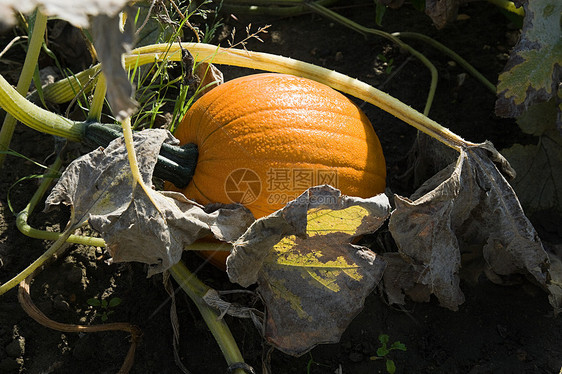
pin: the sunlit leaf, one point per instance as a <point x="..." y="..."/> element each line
<point x="312" y="279"/>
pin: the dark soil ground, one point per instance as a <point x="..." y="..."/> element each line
<point x="499" y="329"/>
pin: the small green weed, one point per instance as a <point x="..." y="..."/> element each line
<point x="103" y="306"/>
<point x="312" y="363"/>
<point x="388" y="63"/>
<point x="384" y="350"/>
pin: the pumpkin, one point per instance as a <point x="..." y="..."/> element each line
<point x="265" y="138"/>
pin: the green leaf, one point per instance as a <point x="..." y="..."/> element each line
<point x="114" y="302"/>
<point x="383" y="338"/>
<point x="539" y="118"/>
<point x="311" y="278"/>
<point x="390" y="366"/>
<point x="93" y="302"/>
<point x="104" y="304"/>
<point x="539" y="176"/>
<point x="382" y="351"/>
<point x="534" y="68"/>
<point x="398" y="345"/>
<point x="380" y="10"/>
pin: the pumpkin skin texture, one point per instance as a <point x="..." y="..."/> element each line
<point x="275" y="135"/>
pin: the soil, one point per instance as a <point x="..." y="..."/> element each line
<point x="499" y="329"/>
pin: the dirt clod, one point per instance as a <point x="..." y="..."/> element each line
<point x="16" y="348"/>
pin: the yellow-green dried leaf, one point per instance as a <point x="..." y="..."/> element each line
<point x="534" y="69"/>
<point x="311" y="278"/>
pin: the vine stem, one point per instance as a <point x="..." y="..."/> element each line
<point x="452" y="54"/>
<point x="29" y="66"/>
<point x="36" y="117"/>
<point x="134" y="165"/>
<point x="196" y="290"/>
<point x="96" y="106"/>
<point x="279" y="8"/>
<point x="54" y="250"/>
<point x="322" y="10"/>
<point x="26" y="229"/>
<point x="268" y="62"/>
<point x="51" y="123"/>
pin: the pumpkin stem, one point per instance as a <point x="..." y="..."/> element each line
<point x="175" y="163"/>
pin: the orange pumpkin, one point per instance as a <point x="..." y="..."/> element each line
<point x="263" y="139"/>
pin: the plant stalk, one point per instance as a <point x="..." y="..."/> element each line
<point x="268" y="62"/>
<point x="45" y="121"/>
<point x="452" y="54"/>
<point x="196" y="290"/>
<point x="96" y="106"/>
<point x="278" y="8"/>
<point x="24" y="81"/>
<point x="54" y="250"/>
<point x="35" y="117"/>
<point x="66" y="89"/>
<point x="366" y="31"/>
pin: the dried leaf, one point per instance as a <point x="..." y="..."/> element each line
<point x="313" y="281"/>
<point x="110" y="45"/>
<point x="399" y="280"/>
<point x="77" y="12"/>
<point x="442" y="12"/>
<point x="110" y="42"/>
<point x="534" y="69"/>
<point x="468" y="204"/>
<point x="99" y="187"/>
<point x="209" y="77"/>
<point x="555" y="284"/>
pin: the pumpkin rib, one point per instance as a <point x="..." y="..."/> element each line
<point x="309" y="165"/>
<point x="234" y="122"/>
